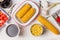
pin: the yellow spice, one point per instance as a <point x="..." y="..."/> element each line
<point x="28" y="15"/>
<point x="23" y="11"/>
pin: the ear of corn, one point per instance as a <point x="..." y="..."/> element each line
<point x="52" y="5"/>
<point x="28" y="15"/>
<point x="47" y="24"/>
<point x="1" y="0"/>
<point x="23" y="10"/>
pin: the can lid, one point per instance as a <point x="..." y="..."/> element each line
<point x="12" y="30"/>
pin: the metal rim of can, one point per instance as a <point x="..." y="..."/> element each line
<point x="17" y="30"/>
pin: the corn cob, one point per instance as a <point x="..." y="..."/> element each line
<point x="47" y="24"/>
<point x="53" y="5"/>
<point x="28" y="15"/>
<point x="23" y="11"/>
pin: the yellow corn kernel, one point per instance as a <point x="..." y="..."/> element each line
<point x="28" y="15"/>
<point x="23" y="10"/>
<point x="47" y="24"/>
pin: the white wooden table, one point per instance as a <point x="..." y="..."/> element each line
<point x="27" y="34"/>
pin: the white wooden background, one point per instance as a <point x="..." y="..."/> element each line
<point x="26" y="34"/>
